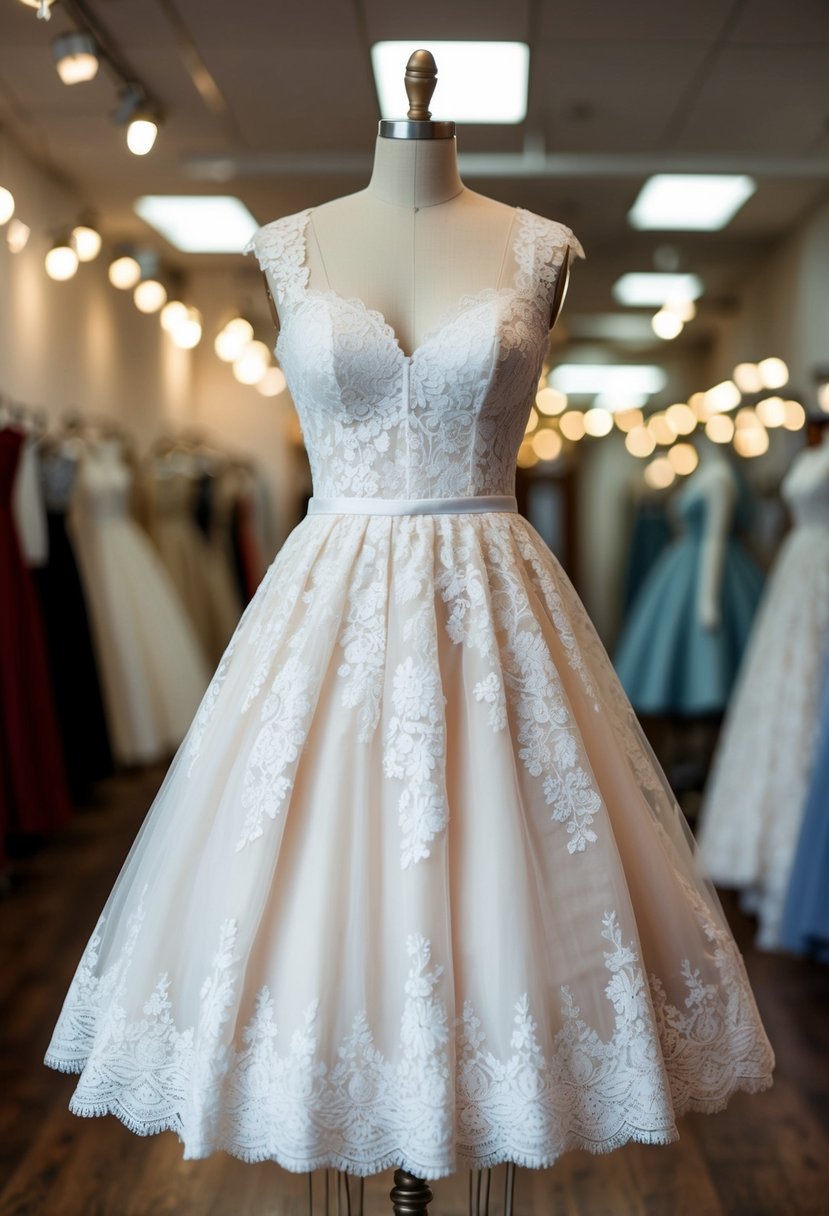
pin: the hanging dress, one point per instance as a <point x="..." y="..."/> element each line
<point x="34" y="798"/>
<point x="414" y="890"/>
<point x="72" y="665"/>
<point x="152" y="669"/>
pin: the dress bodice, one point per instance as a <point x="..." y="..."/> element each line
<point x="445" y="421"/>
<point x="58" y="472"/>
<point x="104" y="482"/>
<point x="806" y="488"/>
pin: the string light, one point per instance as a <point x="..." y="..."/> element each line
<point x="666" y="324"/>
<point x="626" y="420"/>
<point x="681" y="418"/>
<point x="124" y="273"/>
<point x="187" y="332"/>
<point x="795" y="418"/>
<point x="720" y="428"/>
<point x="551" y="402"/>
<point x="149" y="295"/>
<point x="751" y="441"/>
<point x="639" y="441"/>
<point x="172" y="315"/>
<point x="773" y="373"/>
<point x="252" y="364"/>
<point x="771" y="411"/>
<point x="598" y="422"/>
<point x="747" y="378"/>
<point x="526" y="456"/>
<point x="232" y="340"/>
<point x="661" y="429"/>
<point x="660" y="473"/>
<point x="572" y="425"/>
<point x="722" y="397"/>
<point x="683" y="458"/>
<point x="6" y="205"/>
<point x="61" y="262"/>
<point x="86" y="242"/>
<point x="272" y="383"/>
<point x="17" y="235"/>
<point x="547" y="444"/>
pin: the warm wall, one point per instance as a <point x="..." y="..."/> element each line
<point x="79" y="344"/>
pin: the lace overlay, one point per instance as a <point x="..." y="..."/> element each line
<point x="414" y="891"/>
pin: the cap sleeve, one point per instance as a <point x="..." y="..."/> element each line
<point x="280" y="251"/>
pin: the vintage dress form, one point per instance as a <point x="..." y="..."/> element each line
<point x="414" y="891"/>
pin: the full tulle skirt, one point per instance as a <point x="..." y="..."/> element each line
<point x="414" y="890"/>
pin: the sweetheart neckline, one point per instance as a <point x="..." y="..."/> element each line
<point x="461" y="307"/>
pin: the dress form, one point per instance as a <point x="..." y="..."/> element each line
<point x="416" y="239"/>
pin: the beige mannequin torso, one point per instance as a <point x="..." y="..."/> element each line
<point x="414" y="241"/>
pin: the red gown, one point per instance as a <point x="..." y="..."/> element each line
<point x="33" y="790"/>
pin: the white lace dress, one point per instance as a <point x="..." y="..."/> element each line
<point x="414" y="891"/>
<point x="756" y="796"/>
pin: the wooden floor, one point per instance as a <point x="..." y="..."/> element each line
<point x="767" y="1155"/>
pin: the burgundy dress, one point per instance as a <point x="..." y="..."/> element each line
<point x="33" y="791"/>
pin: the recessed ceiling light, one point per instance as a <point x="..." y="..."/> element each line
<point x="653" y="288"/>
<point x="703" y="202"/>
<point x="198" y="223"/>
<point x="618" y="381"/>
<point x="477" y="81"/>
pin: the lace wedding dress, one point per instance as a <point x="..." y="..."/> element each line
<point x="414" y="891"/>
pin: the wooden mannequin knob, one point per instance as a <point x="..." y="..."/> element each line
<point x="421" y="79"/>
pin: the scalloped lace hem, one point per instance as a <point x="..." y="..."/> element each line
<point x="401" y="1159"/>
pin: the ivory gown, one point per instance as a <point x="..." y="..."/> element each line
<point x="414" y="891"/>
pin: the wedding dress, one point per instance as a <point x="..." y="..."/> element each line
<point x="414" y="890"/>
<point x="756" y="795"/>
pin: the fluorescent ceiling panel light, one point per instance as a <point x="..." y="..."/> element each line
<point x="618" y="381"/>
<point x="198" y="223"/>
<point x="477" y="81"/>
<point x="653" y="289"/>
<point x="702" y="202"/>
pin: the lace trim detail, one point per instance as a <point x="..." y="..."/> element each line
<point x="280" y="250"/>
<point x="365" y="1111"/>
<point x="539" y="248"/>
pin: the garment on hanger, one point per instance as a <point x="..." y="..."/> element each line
<point x="753" y="806"/>
<point x="72" y="664"/>
<point x="668" y="660"/>
<point x="34" y="797"/>
<point x="805" y="925"/>
<point x="415" y="890"/>
<point x="171" y="487"/>
<point x="152" y="669"/>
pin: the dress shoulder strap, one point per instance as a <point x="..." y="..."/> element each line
<point x="538" y="248"/>
<point x="280" y="249"/>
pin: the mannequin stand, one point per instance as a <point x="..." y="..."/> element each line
<point x="410" y="1196"/>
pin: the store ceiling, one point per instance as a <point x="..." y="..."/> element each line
<point x="617" y="91"/>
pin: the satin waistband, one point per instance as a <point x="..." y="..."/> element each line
<point x="473" y="505"/>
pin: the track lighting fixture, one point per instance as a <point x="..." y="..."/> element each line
<point x="42" y="6"/>
<point x="142" y="118"/>
<point x="17" y="235"/>
<point x="150" y="295"/>
<point x="76" y="57"/>
<point x="124" y="272"/>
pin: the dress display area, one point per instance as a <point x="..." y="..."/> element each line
<point x="414" y="891"/>
<point x="755" y="799"/>
<point x="153" y="673"/>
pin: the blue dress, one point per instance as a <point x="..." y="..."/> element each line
<point x="805" y="926"/>
<point x="668" y="662"/>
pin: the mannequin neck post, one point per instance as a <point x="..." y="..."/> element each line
<point x="415" y="172"/>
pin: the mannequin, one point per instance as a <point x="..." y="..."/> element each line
<point x="410" y="246"/>
<point x="416" y="239"/>
<point x="714" y="481"/>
